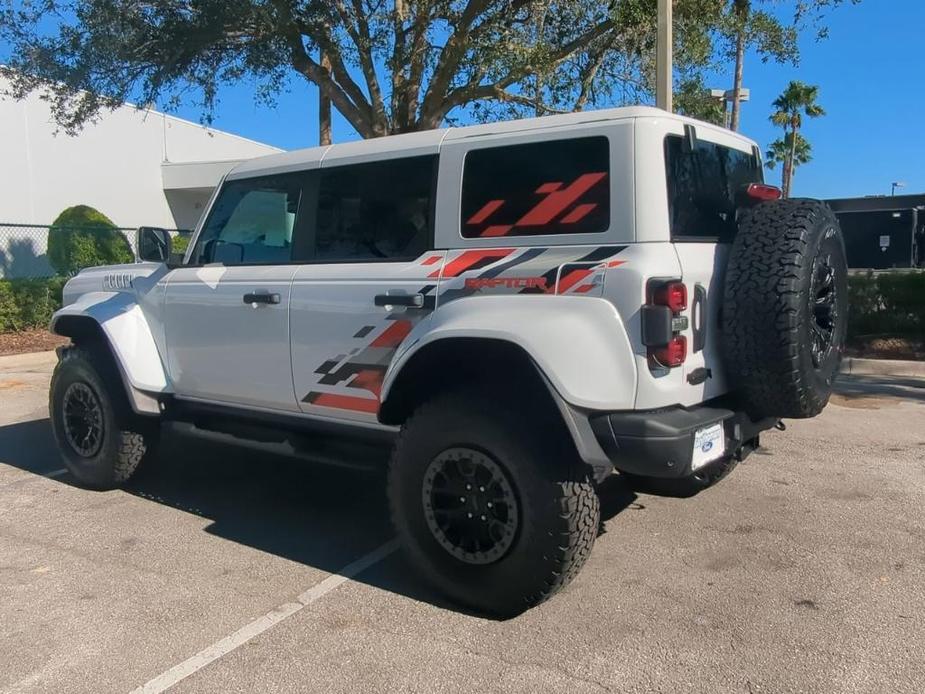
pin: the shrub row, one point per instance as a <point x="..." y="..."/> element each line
<point x="885" y="304"/>
<point x="29" y="303"/>
<point x="889" y="303"/>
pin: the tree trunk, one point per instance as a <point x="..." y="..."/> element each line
<point x="791" y="161"/>
<point x="785" y="180"/>
<point x="324" y="108"/>
<point x="737" y="80"/>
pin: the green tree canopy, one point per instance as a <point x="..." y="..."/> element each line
<point x="84" y="237"/>
<point x="395" y="65"/>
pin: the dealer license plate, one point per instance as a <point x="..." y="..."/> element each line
<point x="709" y="445"/>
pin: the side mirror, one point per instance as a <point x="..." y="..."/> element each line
<point x="153" y="244"/>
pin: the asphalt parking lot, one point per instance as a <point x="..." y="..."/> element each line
<point x="221" y="570"/>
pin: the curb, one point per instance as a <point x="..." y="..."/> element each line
<point x="882" y="367"/>
<point x="10" y="362"/>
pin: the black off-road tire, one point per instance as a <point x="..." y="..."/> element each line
<point x="559" y="511"/>
<point x="788" y="256"/>
<point x="127" y="440"/>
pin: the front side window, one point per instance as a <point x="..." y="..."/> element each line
<point x="375" y="211"/>
<point x="540" y="188"/>
<point x="251" y="222"/>
<point x="704" y="186"/>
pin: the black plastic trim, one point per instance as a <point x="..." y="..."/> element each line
<point x="656" y="325"/>
<point x="659" y="443"/>
<point x="193" y="411"/>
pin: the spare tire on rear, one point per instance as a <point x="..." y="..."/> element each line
<point x="785" y="308"/>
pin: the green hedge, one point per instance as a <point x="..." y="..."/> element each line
<point x="29" y="303"/>
<point x="889" y="303"/>
<point x="179" y="243"/>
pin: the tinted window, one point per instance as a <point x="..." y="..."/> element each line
<point x="251" y="222"/>
<point x="376" y="211"/>
<point x="557" y="187"/>
<point x="703" y="187"/>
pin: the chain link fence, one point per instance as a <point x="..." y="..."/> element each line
<point x="24" y="248"/>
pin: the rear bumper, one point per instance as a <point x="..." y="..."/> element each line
<point x="660" y="443"/>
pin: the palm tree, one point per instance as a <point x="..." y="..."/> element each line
<point x="797" y="100"/>
<point x="781" y="150"/>
<point x="746" y="26"/>
<point x="740" y="10"/>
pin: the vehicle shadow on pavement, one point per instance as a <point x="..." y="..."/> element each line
<point x="319" y="516"/>
<point x="856" y="387"/>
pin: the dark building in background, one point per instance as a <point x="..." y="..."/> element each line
<point x="883" y="232"/>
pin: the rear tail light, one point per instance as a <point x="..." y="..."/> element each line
<point x="663" y="324"/>
<point x="671" y="355"/>
<point x="673" y="295"/>
<point x="762" y="191"/>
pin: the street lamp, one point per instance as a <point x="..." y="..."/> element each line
<point x="663" y="57"/>
<point x="727" y="96"/>
<point x="897" y="184"/>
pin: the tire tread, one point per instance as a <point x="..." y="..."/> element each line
<point x="578" y="505"/>
<point x="761" y="307"/>
<point x="135" y="440"/>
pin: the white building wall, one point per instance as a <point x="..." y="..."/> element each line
<point x="113" y="165"/>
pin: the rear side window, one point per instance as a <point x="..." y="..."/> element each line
<point x="251" y="222"/>
<point x="541" y="188"/>
<point x="375" y="211"/>
<point x="703" y="187"/>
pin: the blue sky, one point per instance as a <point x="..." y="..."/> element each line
<point x="871" y="71"/>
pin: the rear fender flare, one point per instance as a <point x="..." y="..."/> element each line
<point x="578" y="344"/>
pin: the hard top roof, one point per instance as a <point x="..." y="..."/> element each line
<point x="430" y="140"/>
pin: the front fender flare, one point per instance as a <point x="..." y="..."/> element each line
<point x="579" y="344"/>
<point x="126" y="329"/>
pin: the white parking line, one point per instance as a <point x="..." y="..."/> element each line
<point x="224" y="646"/>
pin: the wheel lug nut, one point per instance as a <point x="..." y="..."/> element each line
<point x="468" y="487"/>
<point x="462" y="499"/>
<point x="489" y="504"/>
<point x="481" y="489"/>
<point x="483" y="517"/>
<point x="469" y="514"/>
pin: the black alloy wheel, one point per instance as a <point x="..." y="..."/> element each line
<point x="824" y="298"/>
<point x="83" y="420"/>
<point x="470" y="506"/>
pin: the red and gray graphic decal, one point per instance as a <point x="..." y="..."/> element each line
<point x="574" y="271"/>
<point x="363" y="370"/>
<point x="468" y="261"/>
<point x="555" y="202"/>
<point x="353" y="381"/>
<point x="532" y="271"/>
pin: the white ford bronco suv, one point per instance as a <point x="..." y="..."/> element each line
<point x="512" y="311"/>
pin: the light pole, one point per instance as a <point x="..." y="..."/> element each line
<point x="663" y="57"/>
<point x="726" y="96"/>
<point x="897" y="184"/>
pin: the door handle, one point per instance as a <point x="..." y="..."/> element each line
<point x="261" y="298"/>
<point x="411" y="300"/>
